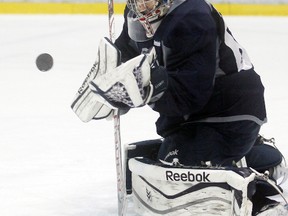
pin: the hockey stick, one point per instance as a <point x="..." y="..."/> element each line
<point x="121" y="188"/>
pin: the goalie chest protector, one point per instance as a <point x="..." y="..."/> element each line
<point x="165" y="190"/>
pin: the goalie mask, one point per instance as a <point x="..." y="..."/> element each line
<point x="148" y="13"/>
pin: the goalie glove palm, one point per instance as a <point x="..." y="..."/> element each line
<point x="129" y="84"/>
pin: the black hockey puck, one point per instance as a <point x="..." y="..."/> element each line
<point x="44" y="62"/>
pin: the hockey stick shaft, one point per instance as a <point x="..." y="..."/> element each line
<point x="111" y="20"/>
<point x="121" y="188"/>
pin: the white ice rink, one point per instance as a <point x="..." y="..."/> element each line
<point x="52" y="164"/>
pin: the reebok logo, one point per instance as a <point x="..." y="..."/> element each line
<point x="87" y="79"/>
<point x="159" y="84"/>
<point x="187" y="176"/>
<point x="172" y="153"/>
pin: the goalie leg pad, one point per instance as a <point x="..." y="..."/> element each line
<point x="147" y="148"/>
<point x="162" y="190"/>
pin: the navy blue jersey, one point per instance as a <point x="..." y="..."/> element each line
<point x="210" y="76"/>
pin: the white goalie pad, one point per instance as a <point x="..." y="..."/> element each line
<point x="86" y="104"/>
<point x="164" y="190"/>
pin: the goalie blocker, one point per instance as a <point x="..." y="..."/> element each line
<point x="159" y="189"/>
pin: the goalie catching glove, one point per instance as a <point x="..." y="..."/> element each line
<point x="133" y="84"/>
<point x="86" y="104"/>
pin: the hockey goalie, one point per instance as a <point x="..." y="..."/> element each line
<point x="181" y="59"/>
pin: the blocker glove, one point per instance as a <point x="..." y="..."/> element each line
<point x="133" y="84"/>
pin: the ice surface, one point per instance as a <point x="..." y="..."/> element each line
<point x="53" y="164"/>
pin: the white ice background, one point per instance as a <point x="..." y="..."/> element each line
<point x="52" y="164"/>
